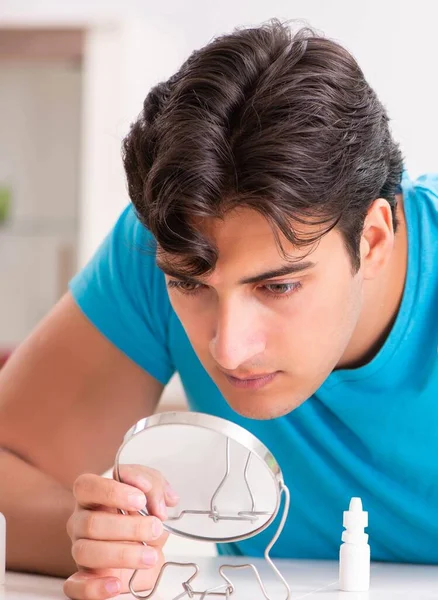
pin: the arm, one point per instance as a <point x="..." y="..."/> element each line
<point x="67" y="396"/>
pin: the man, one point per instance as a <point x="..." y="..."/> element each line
<point x="270" y="257"/>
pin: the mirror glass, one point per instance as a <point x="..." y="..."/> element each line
<point x="228" y="482"/>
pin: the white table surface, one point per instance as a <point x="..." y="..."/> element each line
<point x="308" y="579"/>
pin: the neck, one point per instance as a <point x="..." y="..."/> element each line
<point x="381" y="303"/>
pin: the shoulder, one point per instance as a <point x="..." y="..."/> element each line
<point x="422" y="193"/>
<point x="426" y="184"/>
<point x="123" y="293"/>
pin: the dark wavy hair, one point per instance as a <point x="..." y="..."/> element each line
<point x="280" y="122"/>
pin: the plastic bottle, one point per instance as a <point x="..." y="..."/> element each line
<point x="2" y="548"/>
<point x="354" y="555"/>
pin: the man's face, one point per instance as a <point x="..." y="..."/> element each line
<point x="268" y="340"/>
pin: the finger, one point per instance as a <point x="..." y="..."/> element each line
<point x="171" y="496"/>
<point x="95" y="554"/>
<point x="86" y="586"/>
<point x="96" y="525"/>
<point x="139" y="476"/>
<point x="92" y="491"/>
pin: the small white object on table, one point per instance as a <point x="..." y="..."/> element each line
<point x="308" y="579"/>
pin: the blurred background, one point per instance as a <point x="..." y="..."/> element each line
<point x="73" y="76"/>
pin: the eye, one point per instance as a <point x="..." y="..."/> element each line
<point x="278" y="290"/>
<point x="189" y="288"/>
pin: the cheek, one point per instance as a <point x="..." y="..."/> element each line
<point x="322" y="320"/>
<point x="195" y="320"/>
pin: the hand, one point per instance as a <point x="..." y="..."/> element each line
<point x="106" y="544"/>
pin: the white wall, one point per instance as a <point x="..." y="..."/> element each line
<point x="121" y="61"/>
<point x="39" y="159"/>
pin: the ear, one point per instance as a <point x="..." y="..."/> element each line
<point x="377" y="240"/>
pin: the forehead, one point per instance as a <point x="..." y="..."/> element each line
<point x="245" y="233"/>
<point x="235" y="224"/>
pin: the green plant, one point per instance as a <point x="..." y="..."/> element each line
<point x="5" y="203"/>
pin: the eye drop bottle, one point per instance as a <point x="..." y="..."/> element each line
<point x="354" y="555"/>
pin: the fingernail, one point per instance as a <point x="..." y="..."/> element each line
<point x="170" y="492"/>
<point x="157" y="528"/>
<point x="163" y="509"/>
<point x="149" y="556"/>
<point x="137" y="501"/>
<point x="112" y="587"/>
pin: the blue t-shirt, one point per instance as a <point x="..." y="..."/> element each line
<point x="370" y="432"/>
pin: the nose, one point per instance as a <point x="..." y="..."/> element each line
<point x="238" y="337"/>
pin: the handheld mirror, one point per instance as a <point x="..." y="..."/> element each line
<point x="229" y="484"/>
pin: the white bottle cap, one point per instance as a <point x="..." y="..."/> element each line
<point x="355" y="521"/>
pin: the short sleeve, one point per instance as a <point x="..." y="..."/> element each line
<point x="123" y="293"/>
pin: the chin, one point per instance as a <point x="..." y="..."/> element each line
<point x="266" y="408"/>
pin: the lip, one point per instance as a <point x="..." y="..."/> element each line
<point x="252" y="383"/>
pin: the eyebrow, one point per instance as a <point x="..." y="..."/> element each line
<point x="288" y="269"/>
